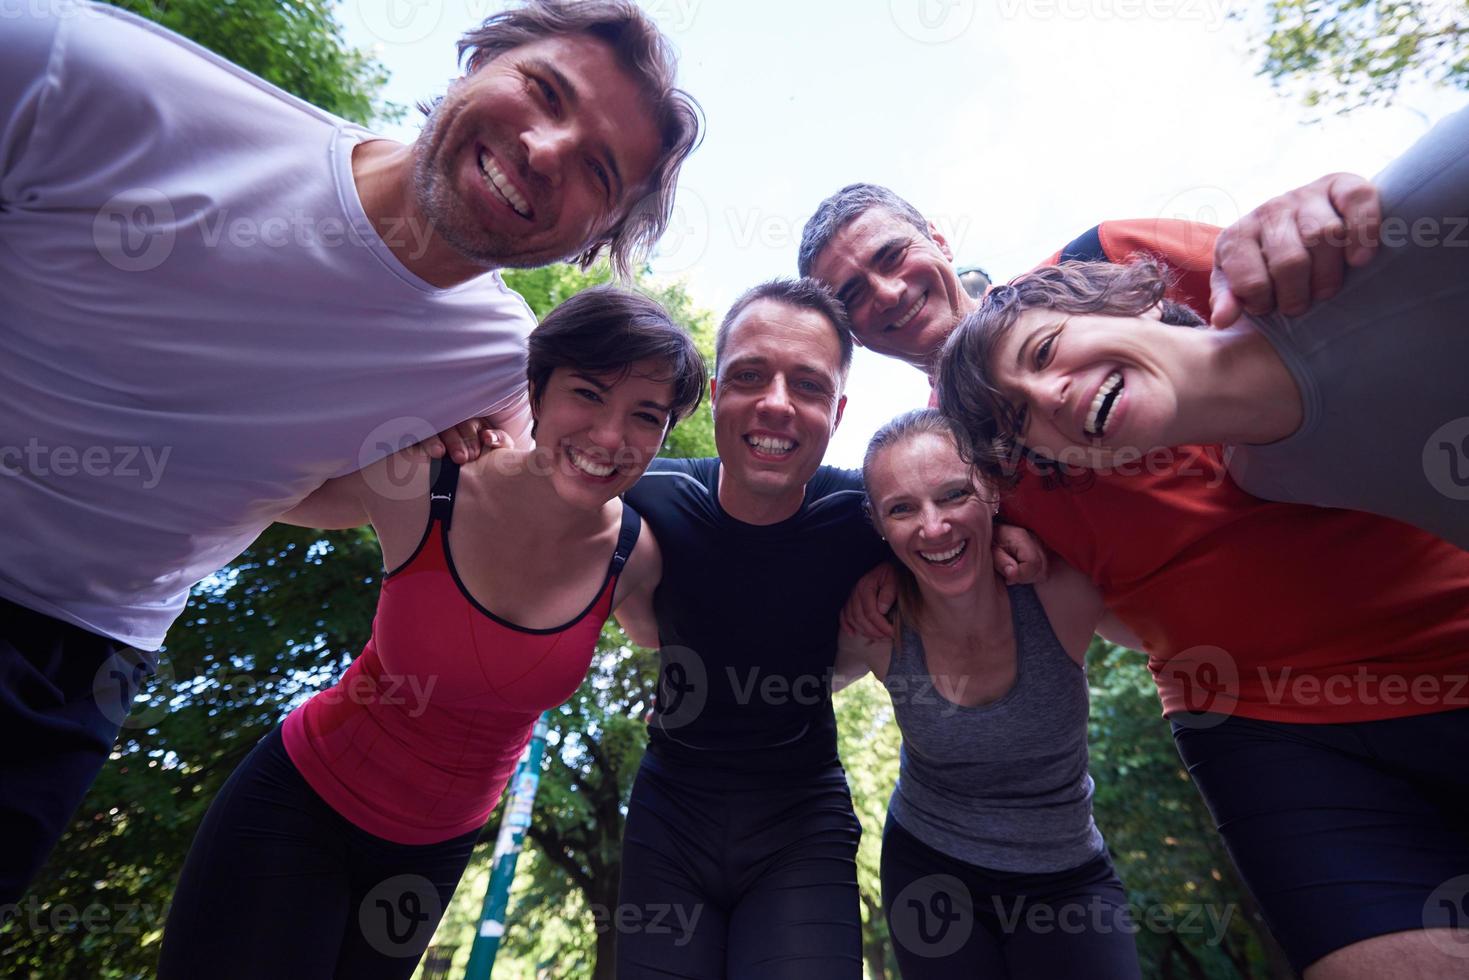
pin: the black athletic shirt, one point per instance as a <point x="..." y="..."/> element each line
<point x="747" y="618"/>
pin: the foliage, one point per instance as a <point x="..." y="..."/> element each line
<point x="1191" y="909"/>
<point x="1350" y="53"/>
<point x="295" y="44"/>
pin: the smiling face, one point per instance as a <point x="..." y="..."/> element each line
<point x="934" y="513"/>
<point x="601" y="432"/>
<point x="777" y="401"/>
<point x="1091" y="388"/>
<point x="901" y="292"/>
<point x="536" y="154"/>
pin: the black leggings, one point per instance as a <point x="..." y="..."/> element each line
<point x="951" y="919"/>
<point x="738" y="882"/>
<point x="64" y="693"/>
<point x="278" y="884"/>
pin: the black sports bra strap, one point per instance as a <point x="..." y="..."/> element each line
<point x="632" y="525"/>
<point x="444" y="477"/>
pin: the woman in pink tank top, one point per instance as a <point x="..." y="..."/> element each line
<point x="334" y="847"/>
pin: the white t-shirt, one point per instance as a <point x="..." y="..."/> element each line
<point x="198" y="325"/>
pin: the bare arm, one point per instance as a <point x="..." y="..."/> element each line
<point x="1073" y="605"/>
<point x="1293" y="250"/>
<point x="1114" y="630"/>
<point x="633" y="604"/>
<point x="856" y="655"/>
<point x="335" y="505"/>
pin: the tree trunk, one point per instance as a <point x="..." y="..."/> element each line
<point x="605" y="967"/>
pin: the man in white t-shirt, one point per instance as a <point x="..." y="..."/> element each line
<point x="217" y="297"/>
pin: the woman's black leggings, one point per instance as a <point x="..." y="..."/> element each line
<point x="278" y="885"/>
<point x="951" y="919"/>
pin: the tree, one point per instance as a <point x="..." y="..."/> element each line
<point x="1351" y="53"/>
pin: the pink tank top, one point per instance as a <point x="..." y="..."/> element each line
<point x="416" y="741"/>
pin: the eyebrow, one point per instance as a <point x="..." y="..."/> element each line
<point x="572" y="96"/>
<point x="883" y="251"/>
<point x="604" y="387"/>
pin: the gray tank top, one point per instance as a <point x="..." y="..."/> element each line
<point x="1002" y="785"/>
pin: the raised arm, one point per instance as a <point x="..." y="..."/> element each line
<point x="1294" y="250"/>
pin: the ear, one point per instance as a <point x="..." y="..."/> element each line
<point x="841" y="407"/>
<point x="1154" y="312"/>
<point x="940" y="241"/>
<point x="713" y="392"/>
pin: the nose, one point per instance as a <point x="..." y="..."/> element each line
<point x="886" y="291"/>
<point x="546" y="148"/>
<point x="933" y="524"/>
<point x="1047" y="394"/>
<point x="776" y="399"/>
<point x="607" y="434"/>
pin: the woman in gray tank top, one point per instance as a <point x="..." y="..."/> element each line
<point x="991" y="863"/>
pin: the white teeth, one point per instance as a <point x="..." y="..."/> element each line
<point x="943" y="556"/>
<point x="496" y="179"/>
<point x="587" y="466"/>
<point x="1096" y="422"/>
<point x="769" y="444"/>
<point x="912" y="312"/>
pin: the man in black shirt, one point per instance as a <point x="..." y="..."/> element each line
<point x="739" y="856"/>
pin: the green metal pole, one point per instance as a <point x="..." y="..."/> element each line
<point x="507" y="852"/>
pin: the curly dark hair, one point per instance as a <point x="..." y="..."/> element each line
<point x="967" y="388"/>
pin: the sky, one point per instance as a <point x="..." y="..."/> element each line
<point x="1013" y="125"/>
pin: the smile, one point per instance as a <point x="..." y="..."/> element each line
<point x="944" y="557"/>
<point x="1102" y="404"/>
<point x="497" y="181"/>
<point x="595" y="470"/>
<point x="914" y="310"/>
<point x="771" y="445"/>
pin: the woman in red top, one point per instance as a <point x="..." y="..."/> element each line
<point x="333" y="849"/>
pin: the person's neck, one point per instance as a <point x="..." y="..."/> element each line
<point x="525" y="500"/>
<point x="928" y="362"/>
<point x="1238" y="390"/>
<point x="382" y="170"/>
<point x="973" y="617"/>
<point x="757" y="508"/>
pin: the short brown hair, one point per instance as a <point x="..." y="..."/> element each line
<point x="967" y="390"/>
<point x="800" y="294"/>
<point x="644" y="52"/>
<point x="604" y="330"/>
